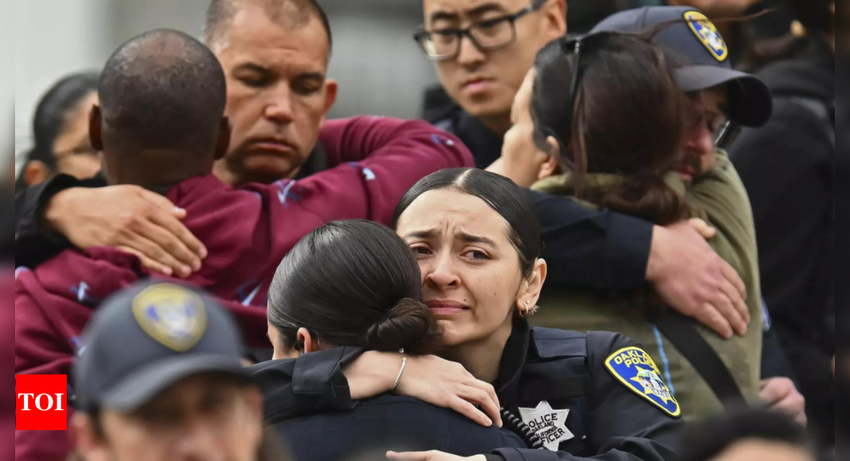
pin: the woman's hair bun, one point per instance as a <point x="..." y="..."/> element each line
<point x="409" y="325"/>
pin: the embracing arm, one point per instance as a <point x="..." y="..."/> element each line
<point x="378" y="160"/>
<point x="335" y="379"/>
<point x="65" y="212"/>
<point x="605" y="250"/>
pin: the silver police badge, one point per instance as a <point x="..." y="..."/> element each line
<point x="548" y="424"/>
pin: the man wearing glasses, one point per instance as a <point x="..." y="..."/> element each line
<point x="482" y="50"/>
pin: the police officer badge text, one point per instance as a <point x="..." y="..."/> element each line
<point x="633" y="367"/>
<point x="548" y="424"/>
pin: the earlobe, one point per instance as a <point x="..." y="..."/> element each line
<point x="303" y="337"/>
<point x="223" y="143"/>
<point x="554" y="146"/>
<point x="558" y="17"/>
<point x="35" y="172"/>
<point x="331" y="88"/>
<point x="82" y="435"/>
<point x="548" y="168"/>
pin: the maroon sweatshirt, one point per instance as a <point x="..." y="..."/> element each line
<point x="247" y="232"/>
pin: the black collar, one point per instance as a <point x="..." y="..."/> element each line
<point x="485" y="145"/>
<point x="316" y="162"/>
<point x="512" y="363"/>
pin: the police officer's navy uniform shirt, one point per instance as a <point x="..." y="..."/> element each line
<point x="557" y="381"/>
<point x="387" y="422"/>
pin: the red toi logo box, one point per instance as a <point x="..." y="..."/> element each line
<point x="42" y="402"/>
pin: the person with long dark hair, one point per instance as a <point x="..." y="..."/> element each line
<point x="356" y="284"/>
<point x="603" y="118"/>
<point x="61" y="132"/>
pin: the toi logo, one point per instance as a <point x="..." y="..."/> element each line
<point x="42" y="402"/>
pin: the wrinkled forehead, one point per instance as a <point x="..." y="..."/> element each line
<point x="468" y="10"/>
<point x="255" y="34"/>
<point x="448" y="214"/>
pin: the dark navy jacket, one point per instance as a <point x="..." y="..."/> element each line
<point x="565" y="369"/>
<point x="387" y="422"/>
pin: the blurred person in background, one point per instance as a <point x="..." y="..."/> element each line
<point x="788" y="169"/>
<point x="588" y="130"/>
<point x="747" y="436"/>
<point x="357" y="284"/>
<point x="161" y="379"/>
<point x="160" y="126"/>
<point x="61" y="132"/>
<point x="275" y="56"/>
<point x="482" y="51"/>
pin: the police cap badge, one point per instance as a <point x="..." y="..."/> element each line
<point x="172" y="315"/>
<point x="708" y="34"/>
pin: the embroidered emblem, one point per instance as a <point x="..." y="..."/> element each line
<point x="548" y="424"/>
<point x="172" y="315"/>
<point x="633" y="367"/>
<point x="708" y="34"/>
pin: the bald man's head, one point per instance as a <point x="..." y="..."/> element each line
<point x="162" y="90"/>
<point x="289" y="14"/>
<point x="161" y="115"/>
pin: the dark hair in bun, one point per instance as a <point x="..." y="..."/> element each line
<point x="353" y="283"/>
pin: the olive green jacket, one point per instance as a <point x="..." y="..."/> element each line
<point x="720" y="199"/>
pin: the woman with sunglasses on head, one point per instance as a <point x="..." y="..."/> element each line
<point x="476" y="238"/>
<point x="592" y="124"/>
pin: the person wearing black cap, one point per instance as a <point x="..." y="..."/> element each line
<point x="622" y="148"/>
<point x="726" y="100"/>
<point x="788" y="169"/>
<point x="160" y="378"/>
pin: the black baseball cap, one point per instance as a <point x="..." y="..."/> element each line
<point x="695" y="38"/>
<point x="148" y="337"/>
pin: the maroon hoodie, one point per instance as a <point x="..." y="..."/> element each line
<point x="247" y="232"/>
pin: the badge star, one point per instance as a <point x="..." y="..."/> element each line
<point x="548" y="424"/>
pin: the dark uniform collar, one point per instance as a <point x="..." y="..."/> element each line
<point x="445" y="114"/>
<point x="485" y="145"/>
<point x="512" y="363"/>
<point x="316" y="162"/>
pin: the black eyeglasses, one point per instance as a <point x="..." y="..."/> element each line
<point x="490" y="35"/>
<point x="726" y="134"/>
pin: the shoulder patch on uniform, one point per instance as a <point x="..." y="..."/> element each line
<point x="708" y="34"/>
<point x="635" y="369"/>
<point x="172" y="315"/>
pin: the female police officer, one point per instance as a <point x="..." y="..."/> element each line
<point x="355" y="283"/>
<point x="476" y="237"/>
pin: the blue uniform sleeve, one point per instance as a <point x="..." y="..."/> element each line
<point x="310" y="384"/>
<point x="589" y="248"/>
<point x="623" y="426"/>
